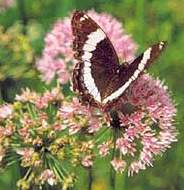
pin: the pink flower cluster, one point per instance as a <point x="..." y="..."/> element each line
<point x="57" y="58"/>
<point x="146" y="115"/>
<point x="4" y="4"/>
<point x="48" y="176"/>
<point x="40" y="101"/>
<point x="5" y="111"/>
<point x="78" y="117"/>
<point x="40" y="129"/>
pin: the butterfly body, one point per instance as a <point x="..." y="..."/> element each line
<point x="98" y="77"/>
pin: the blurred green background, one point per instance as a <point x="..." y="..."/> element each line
<point x="148" y="21"/>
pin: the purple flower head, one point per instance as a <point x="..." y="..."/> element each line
<point x="57" y="59"/>
<point x="146" y="114"/>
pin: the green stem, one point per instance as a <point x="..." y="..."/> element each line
<point x="115" y="128"/>
<point x="101" y="135"/>
<point x="112" y="172"/>
<point x="22" y="12"/>
<point x="90" y="178"/>
<point x="89" y="170"/>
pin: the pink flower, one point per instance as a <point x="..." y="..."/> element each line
<point x="87" y="161"/>
<point x="26" y="153"/>
<point x="74" y="128"/>
<point x="59" y="127"/>
<point x="76" y="116"/>
<point x="27" y="96"/>
<point x="135" y="167"/>
<point x="48" y="97"/>
<point x="94" y="125"/>
<point x="5" y="111"/>
<point x="41" y="103"/>
<point x="69" y="109"/>
<point x="104" y="148"/>
<point x="146" y="114"/>
<point x="126" y="145"/>
<point x="74" y="107"/>
<point x="24" y="132"/>
<point x="49" y="177"/>
<point x="57" y="55"/>
<point x="8" y="131"/>
<point x="118" y="164"/>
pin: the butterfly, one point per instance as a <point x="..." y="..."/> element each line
<point x="98" y="77"/>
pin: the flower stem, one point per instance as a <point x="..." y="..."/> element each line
<point x="90" y="178"/>
<point x="22" y="12"/>
<point x="112" y="174"/>
<point x="115" y="128"/>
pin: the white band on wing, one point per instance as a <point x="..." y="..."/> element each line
<point x="90" y="45"/>
<point x="141" y="66"/>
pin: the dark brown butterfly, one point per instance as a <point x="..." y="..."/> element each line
<point x="98" y="77"/>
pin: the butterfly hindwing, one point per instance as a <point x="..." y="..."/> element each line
<point x="129" y="73"/>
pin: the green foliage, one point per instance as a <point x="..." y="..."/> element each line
<point x="148" y="22"/>
<point x="15" y="51"/>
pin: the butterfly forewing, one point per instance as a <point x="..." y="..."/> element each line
<point x="97" y="57"/>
